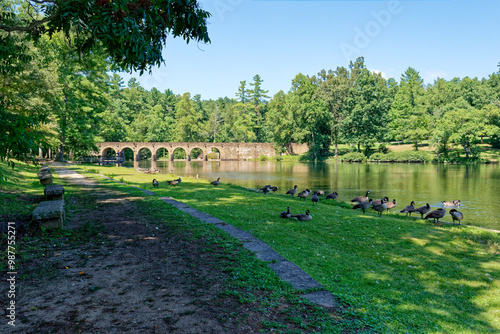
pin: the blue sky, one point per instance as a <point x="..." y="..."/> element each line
<point x="280" y="39"/>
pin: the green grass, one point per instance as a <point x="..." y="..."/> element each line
<point x="249" y="281"/>
<point x="393" y="274"/>
<point x="396" y="274"/>
<point x="20" y="190"/>
<point x="20" y="193"/>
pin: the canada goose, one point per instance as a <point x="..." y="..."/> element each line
<point x="320" y="192"/>
<point x="266" y="189"/>
<point x="381" y="207"/>
<point x="422" y="210"/>
<point x="304" y="194"/>
<point x="456" y="215"/>
<point x="455" y="202"/>
<point x="408" y="209"/>
<point x="155" y="183"/>
<point x="379" y="201"/>
<point x="391" y="205"/>
<point x="315" y="198"/>
<point x="216" y="182"/>
<point x="174" y="182"/>
<point x="360" y="199"/>
<point x="303" y="217"/>
<point x="286" y="214"/>
<point x="363" y="205"/>
<point x="292" y="191"/>
<point x="436" y="214"/>
<point x="274" y="189"/>
<point x="333" y="195"/>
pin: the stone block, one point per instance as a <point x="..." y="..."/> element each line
<point x="45" y="169"/>
<point x="45" y="178"/>
<point x="49" y="214"/>
<point x="54" y="192"/>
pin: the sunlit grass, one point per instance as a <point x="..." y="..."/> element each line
<point x="20" y="191"/>
<point x="398" y="274"/>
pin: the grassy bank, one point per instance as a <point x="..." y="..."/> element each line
<point x="252" y="296"/>
<point x="397" y="274"/>
<point x="393" y="274"/>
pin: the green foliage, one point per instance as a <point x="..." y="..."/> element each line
<point x="353" y="157"/>
<point x="62" y="100"/>
<point x="382" y="148"/>
<point x="364" y="115"/>
<point x="333" y="91"/>
<point x="311" y="116"/>
<point x="242" y="93"/>
<point x="463" y="125"/>
<point x="25" y="104"/>
<point x="403" y="156"/>
<point x="132" y="33"/>
<point x="186" y="120"/>
<point x="409" y="120"/>
<point x="257" y="95"/>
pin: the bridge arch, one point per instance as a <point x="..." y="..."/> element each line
<point x="179" y="149"/>
<point x="167" y="152"/>
<point x="140" y="149"/>
<point x="210" y="150"/>
<point x="193" y="149"/>
<point x="227" y="151"/>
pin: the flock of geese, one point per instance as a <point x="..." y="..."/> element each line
<point x="379" y="205"/>
<point x="176" y="182"/>
<point x="362" y="202"/>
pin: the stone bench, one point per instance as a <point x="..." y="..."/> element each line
<point x="49" y="214"/>
<point x="45" y="169"/>
<point x="45" y="178"/>
<point x="54" y="192"/>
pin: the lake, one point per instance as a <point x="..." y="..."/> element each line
<point x="476" y="186"/>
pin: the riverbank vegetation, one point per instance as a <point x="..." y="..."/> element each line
<point x="395" y="274"/>
<point x="56" y="98"/>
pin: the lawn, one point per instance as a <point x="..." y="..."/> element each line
<point x="394" y="274"/>
<point x="397" y="274"/>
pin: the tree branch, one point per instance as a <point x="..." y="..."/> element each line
<point x="30" y="27"/>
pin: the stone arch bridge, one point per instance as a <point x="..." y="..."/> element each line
<point x="227" y="151"/>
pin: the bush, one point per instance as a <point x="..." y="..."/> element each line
<point x="213" y="155"/>
<point x="382" y="148"/>
<point x="353" y="157"/>
<point x="403" y="156"/>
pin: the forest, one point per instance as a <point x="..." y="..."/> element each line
<point x="55" y="96"/>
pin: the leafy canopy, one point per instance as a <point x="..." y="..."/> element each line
<point x="133" y="33"/>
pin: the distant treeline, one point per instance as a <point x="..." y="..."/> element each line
<point x="348" y="105"/>
<point x="65" y="103"/>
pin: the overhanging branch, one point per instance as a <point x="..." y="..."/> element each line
<point x="30" y="27"/>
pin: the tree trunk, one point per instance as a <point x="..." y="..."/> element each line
<point x="467" y="151"/>
<point x="336" y="144"/>
<point x="314" y="146"/>
<point x="60" y="155"/>
<point x="215" y="125"/>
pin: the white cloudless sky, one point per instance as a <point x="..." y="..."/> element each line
<point x="280" y="39"/>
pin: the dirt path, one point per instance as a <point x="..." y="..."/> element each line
<point x="132" y="276"/>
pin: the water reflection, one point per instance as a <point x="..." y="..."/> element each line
<point x="476" y="186"/>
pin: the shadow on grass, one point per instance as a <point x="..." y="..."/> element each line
<point x="398" y="274"/>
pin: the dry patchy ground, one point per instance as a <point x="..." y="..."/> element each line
<point x="130" y="276"/>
